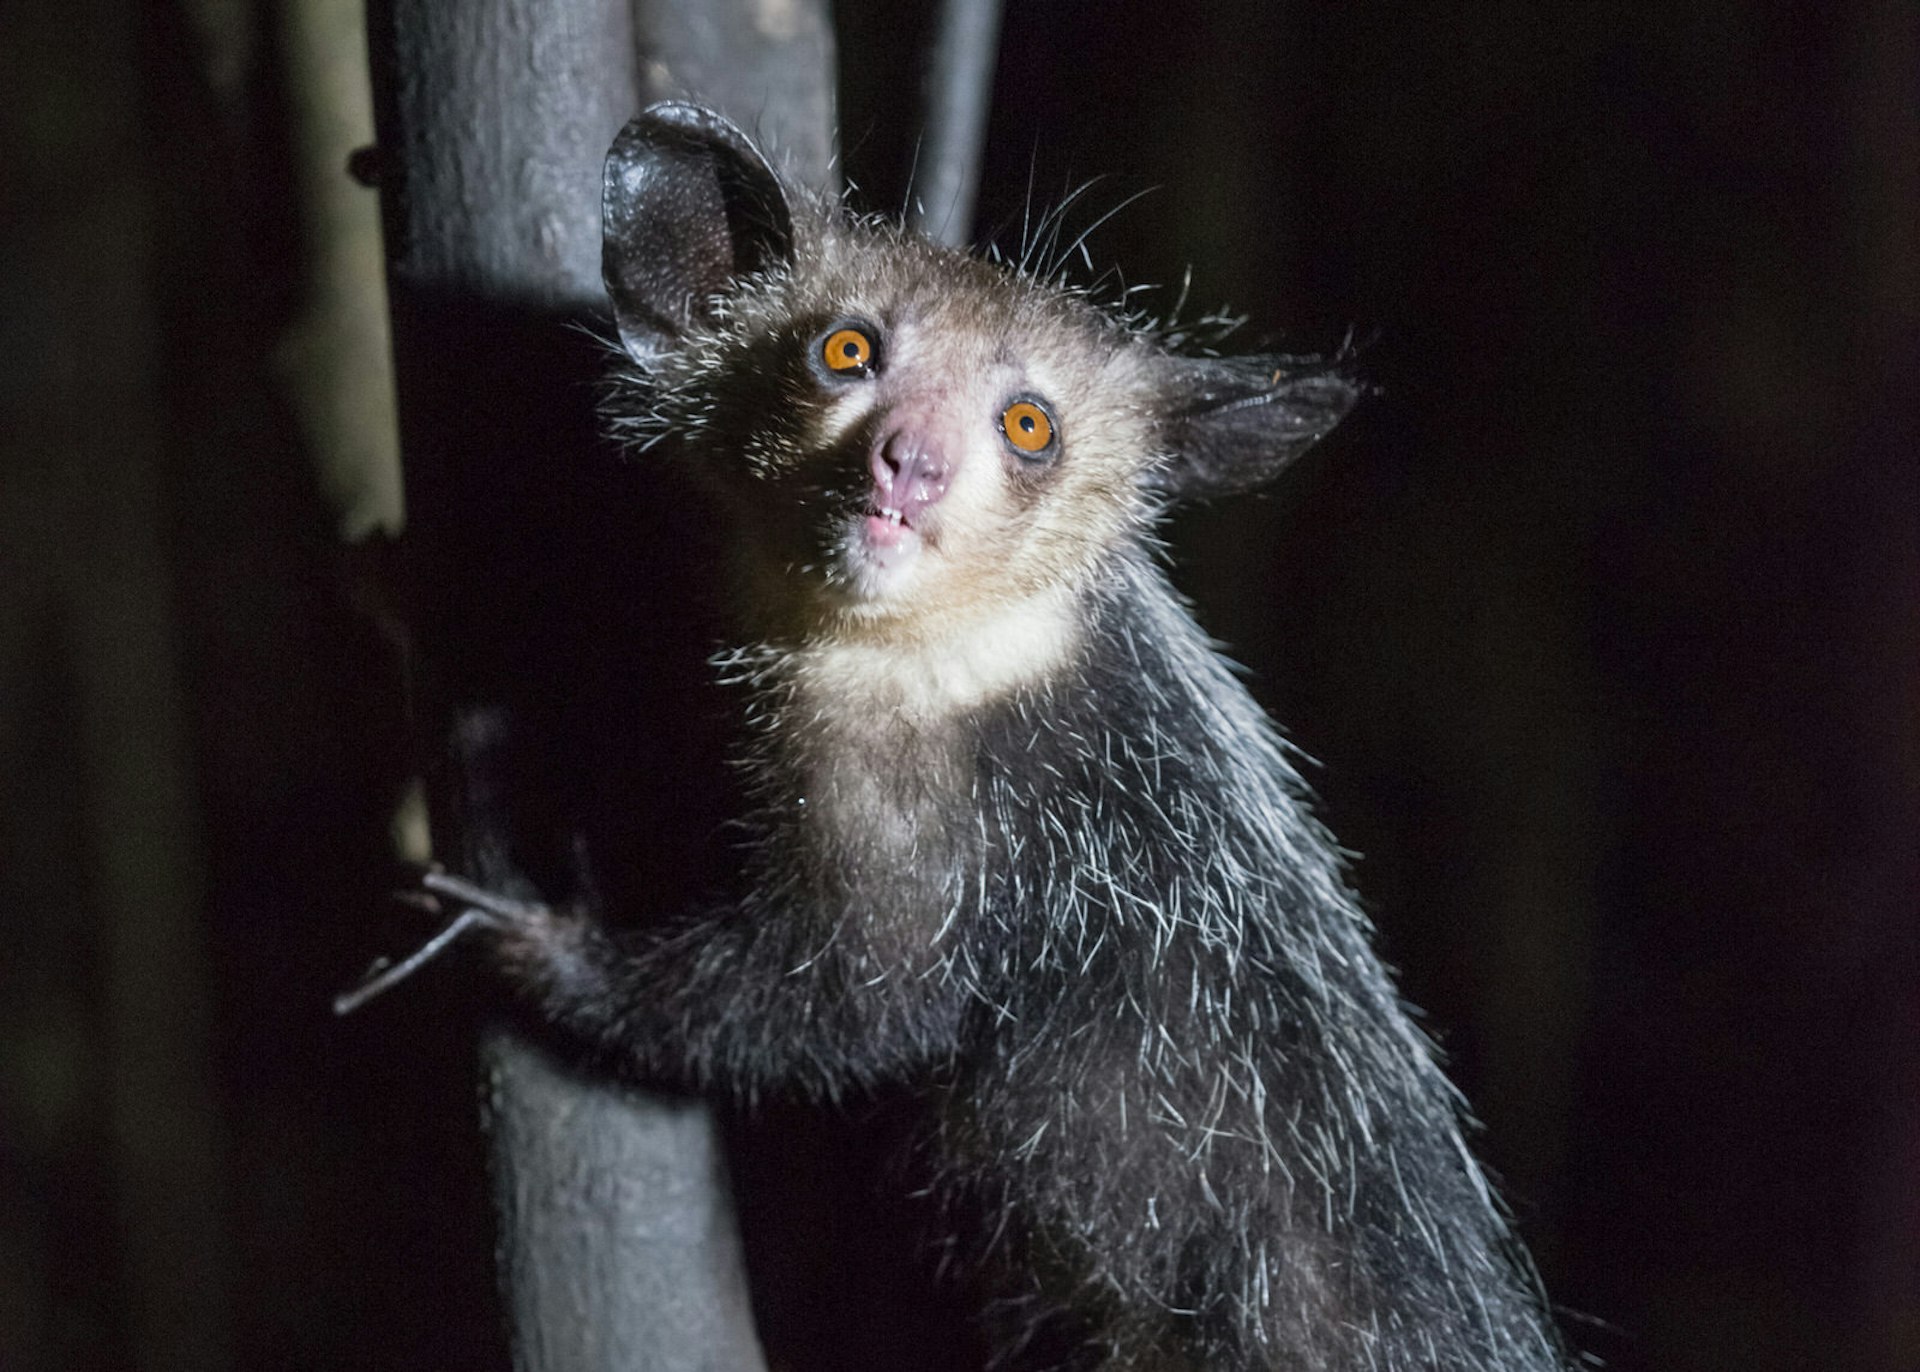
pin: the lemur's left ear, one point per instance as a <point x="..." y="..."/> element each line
<point x="688" y="207"/>
<point x="1234" y="423"/>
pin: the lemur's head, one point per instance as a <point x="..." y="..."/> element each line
<point x="909" y="436"/>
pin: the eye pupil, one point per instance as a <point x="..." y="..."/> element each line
<point x="1026" y="422"/>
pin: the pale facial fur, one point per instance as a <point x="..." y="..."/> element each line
<point x="970" y="593"/>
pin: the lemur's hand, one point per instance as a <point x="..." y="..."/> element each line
<point x="526" y="935"/>
<point x="531" y="940"/>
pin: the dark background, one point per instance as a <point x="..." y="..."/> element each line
<point x="1602" y="614"/>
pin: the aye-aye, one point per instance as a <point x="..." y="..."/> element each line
<point x="1018" y="835"/>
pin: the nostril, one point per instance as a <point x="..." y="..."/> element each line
<point x="896" y="457"/>
<point x="929" y="475"/>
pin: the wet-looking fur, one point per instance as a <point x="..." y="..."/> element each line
<point x="1019" y="835"/>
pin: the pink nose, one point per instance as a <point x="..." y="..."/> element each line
<point x="910" y="472"/>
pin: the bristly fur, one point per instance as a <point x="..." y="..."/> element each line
<point x="1030" y="844"/>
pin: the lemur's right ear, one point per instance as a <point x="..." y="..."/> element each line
<point x="1234" y="423"/>
<point x="688" y="207"/>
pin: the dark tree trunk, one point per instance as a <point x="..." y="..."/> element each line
<point x="959" y="92"/>
<point x="554" y="620"/>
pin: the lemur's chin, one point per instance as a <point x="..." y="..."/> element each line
<point x="882" y="556"/>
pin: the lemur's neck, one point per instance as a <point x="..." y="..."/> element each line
<point x="927" y="673"/>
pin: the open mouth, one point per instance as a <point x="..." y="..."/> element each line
<point x="883" y="546"/>
<point x="885" y="526"/>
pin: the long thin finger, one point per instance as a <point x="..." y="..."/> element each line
<point x="381" y="978"/>
<point x="480" y="898"/>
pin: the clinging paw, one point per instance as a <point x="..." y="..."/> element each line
<point x="530" y="938"/>
<point x="523" y="932"/>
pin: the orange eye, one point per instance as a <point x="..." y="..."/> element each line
<point x="1027" y="426"/>
<point x="847" y="351"/>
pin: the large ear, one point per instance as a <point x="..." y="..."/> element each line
<point x="688" y="206"/>
<point x="1236" y="422"/>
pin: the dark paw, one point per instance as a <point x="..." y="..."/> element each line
<point x="524" y="933"/>
<point x="532" y="941"/>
